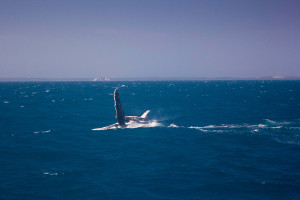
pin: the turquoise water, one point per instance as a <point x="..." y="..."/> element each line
<point x="210" y="140"/>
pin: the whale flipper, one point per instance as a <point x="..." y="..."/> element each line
<point x="119" y="109"/>
<point x="113" y="126"/>
<point x="145" y="114"/>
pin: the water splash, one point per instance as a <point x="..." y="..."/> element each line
<point x="132" y="125"/>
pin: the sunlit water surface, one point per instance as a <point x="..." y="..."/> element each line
<point x="207" y="140"/>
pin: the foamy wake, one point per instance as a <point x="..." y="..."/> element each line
<point x="225" y="128"/>
<point x="228" y="127"/>
<point x="248" y="127"/>
<point x="254" y="128"/>
<point x="291" y="139"/>
<point x="276" y="122"/>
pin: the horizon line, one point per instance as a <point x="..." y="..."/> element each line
<point x="100" y="79"/>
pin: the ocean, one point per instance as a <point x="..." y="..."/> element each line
<point x="206" y="140"/>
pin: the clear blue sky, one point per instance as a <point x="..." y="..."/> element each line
<point x="165" y="38"/>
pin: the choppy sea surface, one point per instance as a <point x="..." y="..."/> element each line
<point x="207" y="140"/>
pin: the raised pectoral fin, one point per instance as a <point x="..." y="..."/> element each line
<point x="145" y="114"/>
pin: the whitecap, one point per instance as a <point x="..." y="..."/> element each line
<point x="276" y="127"/>
<point x="217" y="131"/>
<point x="5" y="101"/>
<point x="227" y="127"/>
<point x="262" y="126"/>
<point x="234" y="126"/>
<point x="270" y="121"/>
<point x="255" y="126"/>
<point x="198" y="128"/>
<point x="173" y="126"/>
<point x="276" y="122"/>
<point x="214" y="126"/>
<point x="208" y="130"/>
<point x="38" y="132"/>
<point x="51" y="174"/>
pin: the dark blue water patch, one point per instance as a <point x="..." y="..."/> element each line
<point x="227" y="140"/>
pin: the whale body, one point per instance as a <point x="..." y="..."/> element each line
<point x="120" y="115"/>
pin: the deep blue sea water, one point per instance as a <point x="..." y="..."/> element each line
<point x="213" y="140"/>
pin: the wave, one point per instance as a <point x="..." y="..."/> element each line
<point x="282" y="140"/>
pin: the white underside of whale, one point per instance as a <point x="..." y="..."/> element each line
<point x="133" y="122"/>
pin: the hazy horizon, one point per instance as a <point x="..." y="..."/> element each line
<point x="105" y="79"/>
<point x="73" y="39"/>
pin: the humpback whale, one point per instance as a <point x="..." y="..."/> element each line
<point x="120" y="115"/>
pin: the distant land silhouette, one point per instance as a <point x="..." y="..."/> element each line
<point x="145" y="79"/>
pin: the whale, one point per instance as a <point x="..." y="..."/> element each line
<point x="122" y="119"/>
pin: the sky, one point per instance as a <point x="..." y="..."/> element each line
<point x="154" y="38"/>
